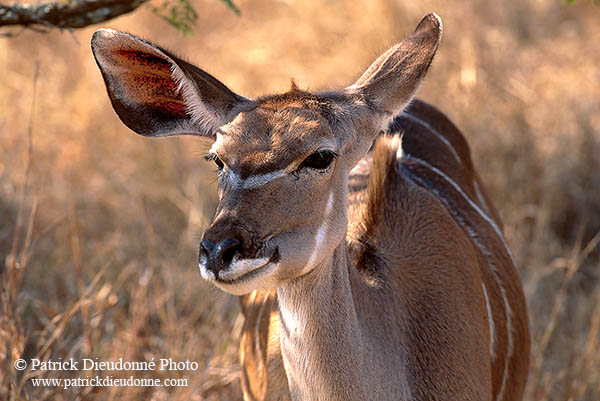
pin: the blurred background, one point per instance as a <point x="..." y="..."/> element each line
<point x="99" y="227"/>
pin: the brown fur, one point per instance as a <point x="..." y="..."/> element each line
<point x="373" y="192"/>
<point x="373" y="276"/>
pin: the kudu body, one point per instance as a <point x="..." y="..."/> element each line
<point x="367" y="272"/>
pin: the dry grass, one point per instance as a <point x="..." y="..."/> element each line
<point x="98" y="250"/>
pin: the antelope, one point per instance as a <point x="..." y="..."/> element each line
<point x="370" y="261"/>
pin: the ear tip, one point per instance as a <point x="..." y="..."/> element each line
<point x="104" y="34"/>
<point x="103" y="39"/>
<point x="106" y="38"/>
<point x="431" y="22"/>
<point x="106" y="41"/>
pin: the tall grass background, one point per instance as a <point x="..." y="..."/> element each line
<point x="99" y="228"/>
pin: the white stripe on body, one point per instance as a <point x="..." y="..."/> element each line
<point x="490" y="321"/>
<point x="434" y="132"/>
<point x="468" y="199"/>
<point x="480" y="195"/>
<point x="485" y="251"/>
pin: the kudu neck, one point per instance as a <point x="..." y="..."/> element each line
<point x="321" y="331"/>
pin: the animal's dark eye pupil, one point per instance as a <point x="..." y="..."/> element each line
<point x="319" y="160"/>
<point x="219" y="163"/>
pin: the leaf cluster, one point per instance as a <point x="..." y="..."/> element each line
<point x="181" y="15"/>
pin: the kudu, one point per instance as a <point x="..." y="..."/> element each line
<point x="367" y="271"/>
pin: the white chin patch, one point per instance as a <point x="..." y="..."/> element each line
<point x="242" y="275"/>
<point x="241" y="267"/>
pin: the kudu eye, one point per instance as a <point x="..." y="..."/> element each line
<point x="213" y="157"/>
<point x="319" y="160"/>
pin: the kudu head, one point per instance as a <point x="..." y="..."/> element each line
<point x="283" y="160"/>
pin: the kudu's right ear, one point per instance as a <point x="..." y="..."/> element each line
<point x="157" y="94"/>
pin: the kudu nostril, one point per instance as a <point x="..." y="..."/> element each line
<point x="228" y="249"/>
<point x="206" y="247"/>
<point x="219" y="255"/>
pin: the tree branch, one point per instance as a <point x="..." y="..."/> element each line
<point x="68" y="14"/>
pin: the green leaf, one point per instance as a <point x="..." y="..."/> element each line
<point x="231" y="5"/>
<point x="181" y="15"/>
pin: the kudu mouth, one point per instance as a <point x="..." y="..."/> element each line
<point x="246" y="270"/>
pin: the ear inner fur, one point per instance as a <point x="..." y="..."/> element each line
<point x="157" y="94"/>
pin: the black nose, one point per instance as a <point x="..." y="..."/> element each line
<point x="219" y="255"/>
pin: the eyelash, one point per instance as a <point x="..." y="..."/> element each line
<point x="315" y="159"/>
<point x="212" y="157"/>
<point x="310" y="161"/>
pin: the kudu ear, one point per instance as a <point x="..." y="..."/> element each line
<point x="392" y="80"/>
<point x="157" y="94"/>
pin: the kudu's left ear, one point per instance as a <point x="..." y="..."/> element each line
<point x="157" y="94"/>
<point x="392" y="80"/>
